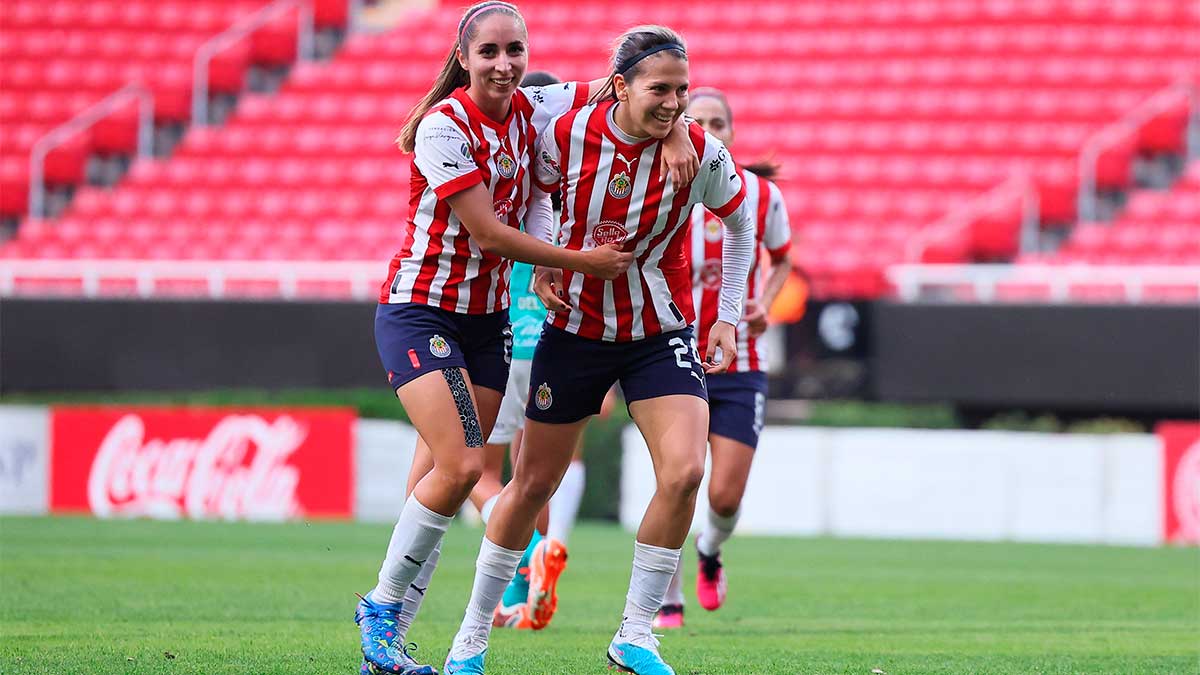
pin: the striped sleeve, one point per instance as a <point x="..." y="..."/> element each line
<point x="443" y="154"/>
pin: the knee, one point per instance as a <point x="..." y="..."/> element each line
<point x="464" y="473"/>
<point x="535" y="489"/>
<point x="724" y="500"/>
<point x="682" y="481"/>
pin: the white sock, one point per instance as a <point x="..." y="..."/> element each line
<point x="418" y="531"/>
<point x="675" y="590"/>
<point x="652" y="570"/>
<point x="485" y="511"/>
<point x="717" y="531"/>
<point x="494" y="568"/>
<point x="415" y="594"/>
<point x="564" y="505"/>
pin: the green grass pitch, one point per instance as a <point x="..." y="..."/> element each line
<point x="101" y="597"/>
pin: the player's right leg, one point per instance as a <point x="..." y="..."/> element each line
<point x="452" y="417"/>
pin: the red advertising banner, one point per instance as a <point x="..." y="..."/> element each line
<point x="202" y="463"/>
<point x="1181" y="473"/>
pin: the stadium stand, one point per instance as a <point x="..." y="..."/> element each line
<point x="886" y="117"/>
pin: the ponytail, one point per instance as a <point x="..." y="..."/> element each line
<point x="765" y="169"/>
<point x="453" y="75"/>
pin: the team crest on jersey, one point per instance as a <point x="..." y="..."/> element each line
<point x="439" y="347"/>
<point x="543" y="399"/>
<point x="712" y="230"/>
<point x="609" y="232"/>
<point x="505" y="165"/>
<point x="710" y="274"/>
<point x="620" y="186"/>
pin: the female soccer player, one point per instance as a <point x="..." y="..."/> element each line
<point x="635" y="329"/>
<point x="736" y="398"/>
<point x="442" y="324"/>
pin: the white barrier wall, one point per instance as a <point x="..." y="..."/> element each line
<point x="902" y="483"/>
<point x="383" y="455"/>
<point x="24" y="459"/>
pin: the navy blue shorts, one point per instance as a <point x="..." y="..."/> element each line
<point x="736" y="405"/>
<point x="414" y="339"/>
<point x="570" y="374"/>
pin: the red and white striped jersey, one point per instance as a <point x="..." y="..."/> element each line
<point x="772" y="231"/>
<point x="458" y="146"/>
<point x="613" y="192"/>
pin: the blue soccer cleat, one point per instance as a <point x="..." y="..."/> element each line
<point x="383" y="648"/>
<point x="639" y="659"/>
<point x="469" y="666"/>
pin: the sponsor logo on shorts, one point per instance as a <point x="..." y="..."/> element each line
<point x="620" y="186"/>
<point x="505" y="165"/>
<point x="543" y="399"/>
<point x="439" y="347"/>
<point x="609" y="232"/>
<point x="502" y="208"/>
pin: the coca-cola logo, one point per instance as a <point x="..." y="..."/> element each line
<point x="1186" y="493"/>
<point x="239" y="470"/>
<point x="609" y="232"/>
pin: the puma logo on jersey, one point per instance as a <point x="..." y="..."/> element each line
<point x="451" y="165"/>
<point x="628" y="162"/>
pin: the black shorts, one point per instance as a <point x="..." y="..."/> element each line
<point x="414" y="339"/>
<point x="736" y="405"/>
<point x="571" y="374"/>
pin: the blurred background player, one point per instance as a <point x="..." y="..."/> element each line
<point x="737" y="397"/>
<point x="442" y="323"/>
<point x="636" y="330"/>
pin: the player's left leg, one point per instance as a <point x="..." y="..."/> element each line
<point x="737" y="412"/>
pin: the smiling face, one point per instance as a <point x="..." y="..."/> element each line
<point x="655" y="97"/>
<point x="496" y="58"/>
<point x="710" y="113"/>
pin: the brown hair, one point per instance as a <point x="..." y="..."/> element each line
<point x="764" y="168"/>
<point x="628" y="52"/>
<point x="453" y="75"/>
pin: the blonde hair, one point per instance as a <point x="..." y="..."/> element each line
<point x="453" y="75"/>
<point x="627" y="49"/>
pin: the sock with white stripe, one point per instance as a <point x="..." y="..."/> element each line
<point x="564" y="506"/>
<point x="717" y="531"/>
<point x="417" y="533"/>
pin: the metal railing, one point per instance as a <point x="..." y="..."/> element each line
<point x="87" y="118"/>
<point x="1017" y="187"/>
<point x="363" y="277"/>
<point x="239" y="31"/>
<point x="1112" y="134"/>
<point x="918" y="282"/>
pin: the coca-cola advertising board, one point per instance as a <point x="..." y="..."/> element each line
<point x="202" y="463"/>
<point x="1181" y="476"/>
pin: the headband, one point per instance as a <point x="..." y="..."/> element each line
<point x="471" y="17"/>
<point x="647" y="52"/>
